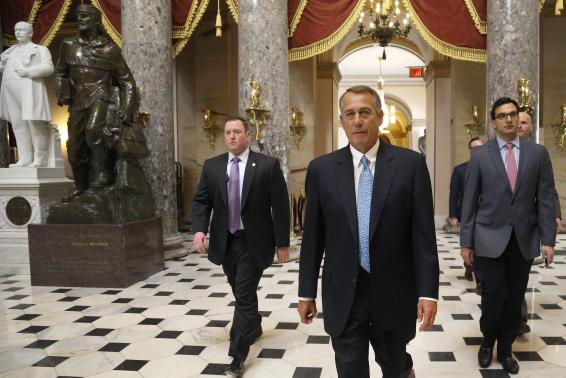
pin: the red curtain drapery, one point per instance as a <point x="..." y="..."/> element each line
<point x="448" y="27"/>
<point x="46" y="16"/>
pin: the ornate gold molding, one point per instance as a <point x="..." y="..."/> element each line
<point x="48" y="37"/>
<point x="297" y="17"/>
<point x="478" y="22"/>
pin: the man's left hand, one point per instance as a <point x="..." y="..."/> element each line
<point x="548" y="252"/>
<point x="22" y="72"/>
<point x="282" y="254"/>
<point x="426" y="312"/>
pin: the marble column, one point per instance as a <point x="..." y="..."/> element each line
<point x="262" y="56"/>
<point x="4" y="146"/>
<point x="512" y="51"/>
<point x="146" y="46"/>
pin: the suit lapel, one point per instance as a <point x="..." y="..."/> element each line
<point x="495" y="155"/>
<point x="382" y="179"/>
<point x="346" y="188"/>
<point x="524" y="155"/>
<point x="249" y="174"/>
<point x="223" y="178"/>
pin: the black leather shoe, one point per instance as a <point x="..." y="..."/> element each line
<point x="485" y="355"/>
<point x="510" y="365"/>
<point x="524" y="328"/>
<point x="236" y="368"/>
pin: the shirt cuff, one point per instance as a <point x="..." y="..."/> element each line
<point x="306" y="299"/>
<point x="429" y="299"/>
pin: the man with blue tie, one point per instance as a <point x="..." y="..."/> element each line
<point x="369" y="212"/>
<point x="247" y="195"/>
<point x="508" y="219"/>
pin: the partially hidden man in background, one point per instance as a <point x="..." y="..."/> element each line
<point x="369" y="212"/>
<point x="247" y="195"/>
<point x="508" y="218"/>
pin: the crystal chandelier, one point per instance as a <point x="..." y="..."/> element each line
<point x="384" y="22"/>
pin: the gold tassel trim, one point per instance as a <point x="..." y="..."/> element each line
<point x="305" y="52"/>
<point x="180" y="32"/>
<point x="180" y="45"/>
<point x="48" y="37"/>
<point x="478" y="22"/>
<point x="108" y="27"/>
<point x="297" y="17"/>
<point x="453" y="51"/>
<point x="233" y="7"/>
<point x="34" y="10"/>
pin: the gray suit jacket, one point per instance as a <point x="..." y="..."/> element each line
<point x="491" y="211"/>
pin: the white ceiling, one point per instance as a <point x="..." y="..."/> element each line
<point x="364" y="62"/>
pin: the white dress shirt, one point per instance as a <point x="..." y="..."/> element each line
<point x="242" y="168"/>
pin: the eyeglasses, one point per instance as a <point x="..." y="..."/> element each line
<point x="503" y="116"/>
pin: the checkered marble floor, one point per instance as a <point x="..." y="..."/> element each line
<point x="175" y="324"/>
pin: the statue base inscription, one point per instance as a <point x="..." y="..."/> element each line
<point x="96" y="255"/>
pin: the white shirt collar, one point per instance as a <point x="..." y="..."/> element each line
<point x="502" y="142"/>
<point x="371" y="154"/>
<point x="243" y="156"/>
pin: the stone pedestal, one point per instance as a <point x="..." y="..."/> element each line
<point x="96" y="255"/>
<point x="25" y="197"/>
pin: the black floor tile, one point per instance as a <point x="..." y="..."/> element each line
<point x="99" y="332"/>
<point x="274" y="296"/>
<point x="123" y="300"/>
<point x="318" y="339"/>
<point x="113" y="347"/>
<point x="217" y="275"/>
<point x="435" y="328"/>
<point x="41" y="344"/>
<point x="163" y="293"/>
<point x="451" y="298"/>
<point x="33" y="329"/>
<point x="112" y="292"/>
<point x="196" y="311"/>
<point x="271" y="353"/>
<point x="462" y="317"/>
<point x="12" y="289"/>
<point x="293" y="305"/>
<point x="441" y="356"/>
<point x="50" y="361"/>
<point x="149" y="286"/>
<point x="87" y="319"/>
<point x="172" y="274"/>
<point x="528" y="356"/>
<point x="168" y="334"/>
<point x="21" y="306"/>
<point x="77" y="308"/>
<point x="285" y="282"/>
<point x="286" y="325"/>
<point x="201" y="287"/>
<point x="473" y="340"/>
<point x="16" y="297"/>
<point x="307" y="372"/>
<point x="550" y="306"/>
<point x="214" y="369"/>
<point x="554" y="340"/>
<point x="232" y="304"/>
<point x="186" y="280"/>
<point x="135" y="310"/>
<point x="264" y="314"/>
<point x="62" y="290"/>
<point x="27" y="317"/>
<point x="179" y="302"/>
<point x="218" y="295"/>
<point x="192" y="350"/>
<point x="69" y="299"/>
<point x="532" y="316"/>
<point x="217" y="323"/>
<point x="131" y="365"/>
<point x="151" y="321"/>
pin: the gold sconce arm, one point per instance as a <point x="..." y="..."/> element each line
<point x="210" y="128"/>
<point x="475" y="128"/>
<point x="257" y="114"/>
<point x="525" y="96"/>
<point x="560" y="129"/>
<point x="297" y="129"/>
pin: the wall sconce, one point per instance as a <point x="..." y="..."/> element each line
<point x="210" y="128"/>
<point x="298" y="202"/>
<point x="474" y="128"/>
<point x="525" y="97"/>
<point x="257" y="114"/>
<point x="560" y="129"/>
<point x="298" y="130"/>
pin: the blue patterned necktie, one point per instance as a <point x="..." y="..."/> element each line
<point x="365" y="186"/>
<point x="234" y="197"/>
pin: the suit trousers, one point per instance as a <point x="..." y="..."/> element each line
<point x="352" y="346"/>
<point x="504" y="281"/>
<point x="243" y="276"/>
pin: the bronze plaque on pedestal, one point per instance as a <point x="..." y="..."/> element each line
<point x="18" y="211"/>
<point x="95" y="255"/>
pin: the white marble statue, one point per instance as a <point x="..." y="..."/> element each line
<point x="23" y="96"/>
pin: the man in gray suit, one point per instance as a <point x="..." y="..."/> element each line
<point x="507" y="219"/>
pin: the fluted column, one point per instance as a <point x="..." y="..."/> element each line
<point x="146" y="46"/>
<point x="263" y="56"/>
<point x="4" y="147"/>
<point x="512" y="51"/>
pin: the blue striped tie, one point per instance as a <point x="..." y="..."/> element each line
<point x="365" y="186"/>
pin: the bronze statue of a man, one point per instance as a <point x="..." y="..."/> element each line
<point x="88" y="67"/>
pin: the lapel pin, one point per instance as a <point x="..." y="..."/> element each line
<point x="253" y="164"/>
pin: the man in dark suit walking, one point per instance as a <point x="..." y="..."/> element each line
<point x="457" y="195"/>
<point x="369" y="212"/>
<point x="247" y="193"/>
<point x="507" y="220"/>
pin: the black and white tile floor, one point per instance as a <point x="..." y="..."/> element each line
<point x="175" y="324"/>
